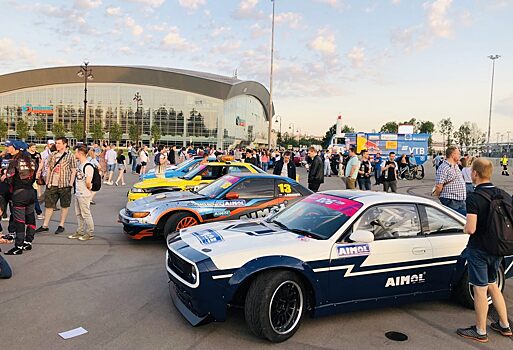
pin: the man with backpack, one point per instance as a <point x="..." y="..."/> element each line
<point x="83" y="195"/>
<point x="490" y="226"/>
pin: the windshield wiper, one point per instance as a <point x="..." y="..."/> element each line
<point x="282" y="225"/>
<point x="305" y="233"/>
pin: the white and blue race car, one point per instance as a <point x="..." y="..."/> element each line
<point x="331" y="252"/>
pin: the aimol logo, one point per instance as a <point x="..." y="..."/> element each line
<point x="404" y="280"/>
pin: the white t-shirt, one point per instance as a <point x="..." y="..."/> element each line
<point x="285" y="170"/>
<point x="466" y="175"/>
<point x="143" y="156"/>
<point x="83" y="172"/>
<point x="110" y="156"/>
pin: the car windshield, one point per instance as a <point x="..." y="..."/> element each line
<point x="185" y="164"/>
<point x="318" y="216"/>
<point x="192" y="173"/>
<point x="213" y="189"/>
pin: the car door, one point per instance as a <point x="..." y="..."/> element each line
<point x="390" y="266"/>
<point x="286" y="193"/>
<point x="445" y="233"/>
<point x="254" y="195"/>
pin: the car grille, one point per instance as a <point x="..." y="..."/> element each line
<point x="185" y="297"/>
<point x="179" y="266"/>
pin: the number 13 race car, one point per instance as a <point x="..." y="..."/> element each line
<point x="230" y="197"/>
<point x="331" y="252"/>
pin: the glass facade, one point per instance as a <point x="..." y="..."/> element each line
<point x="181" y="117"/>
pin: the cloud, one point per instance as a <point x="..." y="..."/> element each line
<point x="247" y="10"/>
<point x="113" y="11"/>
<point x="174" y="40"/>
<point x="227" y="47"/>
<point x="396" y="2"/>
<point x="257" y="31"/>
<point x="357" y="56"/>
<point x="292" y="19"/>
<point x="337" y="4"/>
<point x="126" y="50"/>
<point x="88" y="4"/>
<point x="9" y="52"/>
<point x="136" y="29"/>
<point x="192" y="4"/>
<point x="150" y="3"/>
<point x="438" y="21"/>
<point x="324" y="43"/>
<point x="219" y="31"/>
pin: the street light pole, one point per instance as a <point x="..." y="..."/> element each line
<point x="271" y="83"/>
<point x="138" y="100"/>
<point x="493" y="58"/>
<point x="86" y="73"/>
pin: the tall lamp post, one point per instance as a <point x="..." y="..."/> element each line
<point x="279" y="117"/>
<point x="138" y="100"/>
<point x="86" y="73"/>
<point x="493" y="58"/>
<point x="271" y="83"/>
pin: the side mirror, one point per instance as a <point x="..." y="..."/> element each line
<point x="232" y="195"/>
<point x="362" y="236"/>
<point x="196" y="178"/>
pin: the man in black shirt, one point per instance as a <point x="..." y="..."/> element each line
<point x="389" y="171"/>
<point x="364" y="173"/>
<point x="483" y="267"/>
<point x="285" y="166"/>
<point x="315" y="171"/>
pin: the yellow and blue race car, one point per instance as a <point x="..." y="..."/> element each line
<point x="199" y="176"/>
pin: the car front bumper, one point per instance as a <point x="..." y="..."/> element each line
<point x="133" y="228"/>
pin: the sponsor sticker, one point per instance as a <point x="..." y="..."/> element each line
<point x="351" y="250"/>
<point x="222" y="213"/>
<point x="405" y="280"/>
<point x="233" y="203"/>
<point x="208" y="236"/>
<point x="343" y="205"/>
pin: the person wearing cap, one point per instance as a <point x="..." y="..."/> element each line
<point x="21" y="174"/>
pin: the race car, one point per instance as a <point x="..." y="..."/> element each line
<point x="201" y="175"/>
<point x="333" y="251"/>
<point x="230" y="197"/>
<point x="176" y="170"/>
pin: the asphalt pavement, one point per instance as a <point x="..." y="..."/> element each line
<point x="116" y="289"/>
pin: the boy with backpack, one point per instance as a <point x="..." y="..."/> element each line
<point x="490" y="226"/>
<point x="86" y="181"/>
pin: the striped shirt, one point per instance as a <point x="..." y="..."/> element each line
<point x="451" y="178"/>
<point x="62" y="174"/>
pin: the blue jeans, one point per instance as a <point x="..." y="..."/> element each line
<point x="38" y="209"/>
<point x="458" y="206"/>
<point x="365" y="184"/>
<point x="134" y="165"/>
<point x="482" y="267"/>
<point x="265" y="166"/>
<point x="5" y="269"/>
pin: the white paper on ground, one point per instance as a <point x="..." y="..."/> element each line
<point x="73" y="333"/>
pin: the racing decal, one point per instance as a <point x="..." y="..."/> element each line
<point x="405" y="280"/>
<point x="222" y="213"/>
<point x="343" y="205"/>
<point x="222" y="203"/>
<point x="208" y="236"/>
<point x="284" y="188"/>
<point x="262" y="213"/>
<point x="251" y="229"/>
<point x="353" y="250"/>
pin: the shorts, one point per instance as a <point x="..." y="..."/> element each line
<point x="54" y="194"/>
<point x="483" y="267"/>
<point x="144" y="163"/>
<point x="111" y="167"/>
<point x="121" y="167"/>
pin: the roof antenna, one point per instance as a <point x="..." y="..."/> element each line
<point x="235" y="73"/>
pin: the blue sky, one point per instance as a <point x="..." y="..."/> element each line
<point x="371" y="61"/>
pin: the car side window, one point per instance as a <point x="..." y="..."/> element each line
<point x="255" y="188"/>
<point x="439" y="222"/>
<point x="390" y="221"/>
<point x="238" y="169"/>
<point x="285" y="189"/>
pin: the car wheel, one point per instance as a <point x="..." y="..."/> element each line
<point x="464" y="293"/>
<point x="178" y="221"/>
<point x="275" y="305"/>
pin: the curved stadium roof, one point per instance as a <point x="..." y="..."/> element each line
<point x="206" y="84"/>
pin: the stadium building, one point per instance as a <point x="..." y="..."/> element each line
<point x="184" y="106"/>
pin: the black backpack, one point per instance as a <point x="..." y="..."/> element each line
<point x="157" y="159"/>
<point x="499" y="238"/>
<point x="96" y="184"/>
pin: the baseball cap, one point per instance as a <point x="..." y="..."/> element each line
<point x="50" y="142"/>
<point x="9" y="143"/>
<point x="20" y="145"/>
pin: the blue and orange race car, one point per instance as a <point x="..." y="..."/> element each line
<point x="247" y="195"/>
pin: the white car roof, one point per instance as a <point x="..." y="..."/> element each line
<point x="374" y="197"/>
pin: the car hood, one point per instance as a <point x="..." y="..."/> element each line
<point x="160" y="182"/>
<point x="162" y="199"/>
<point x="231" y="244"/>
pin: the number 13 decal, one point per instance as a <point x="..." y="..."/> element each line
<point x="284" y="188"/>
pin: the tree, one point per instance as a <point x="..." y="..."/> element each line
<point x="22" y="128"/>
<point x="59" y="130"/>
<point x="446" y="128"/>
<point x="4" y="129"/>
<point x="469" y="134"/>
<point x="77" y="129"/>
<point x="115" y="133"/>
<point x="390" y="127"/>
<point x="426" y="127"/>
<point x="40" y="130"/>
<point x="156" y="132"/>
<point x="97" y="131"/>
<point x="133" y="132"/>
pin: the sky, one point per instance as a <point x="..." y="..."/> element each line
<point x="371" y="61"/>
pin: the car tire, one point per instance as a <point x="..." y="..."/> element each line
<point x="464" y="292"/>
<point x="266" y="298"/>
<point x="178" y="221"/>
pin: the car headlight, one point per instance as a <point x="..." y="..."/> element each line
<point x="138" y="190"/>
<point x="140" y="214"/>
<point x="193" y="274"/>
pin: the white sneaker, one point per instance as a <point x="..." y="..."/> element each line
<point x="106" y="182"/>
<point x="40" y="217"/>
